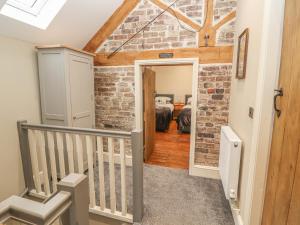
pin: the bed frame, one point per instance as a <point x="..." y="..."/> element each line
<point x="186" y="99"/>
<point x="171" y="96"/>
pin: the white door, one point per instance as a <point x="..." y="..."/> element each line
<point x="81" y="91"/>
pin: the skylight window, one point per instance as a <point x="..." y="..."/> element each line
<point x="32" y="7"/>
<point x="38" y="13"/>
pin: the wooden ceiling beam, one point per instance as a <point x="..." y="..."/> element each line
<point x="177" y="14"/>
<point x="208" y="29"/>
<point x="226" y="19"/>
<point x="206" y="55"/>
<point x="209" y="13"/>
<point x="111" y="24"/>
<point x="207" y="35"/>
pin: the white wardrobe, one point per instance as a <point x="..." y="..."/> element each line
<point x="66" y="86"/>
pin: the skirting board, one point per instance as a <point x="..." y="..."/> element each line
<point x="205" y="171"/>
<point x="236" y="214"/>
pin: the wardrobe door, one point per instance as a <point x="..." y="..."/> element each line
<point x="52" y="87"/>
<point x="81" y="91"/>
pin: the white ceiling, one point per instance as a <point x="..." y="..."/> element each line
<point x="74" y="25"/>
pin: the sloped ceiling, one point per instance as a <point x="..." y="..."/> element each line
<point x="74" y="25"/>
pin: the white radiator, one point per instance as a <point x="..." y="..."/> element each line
<point x="229" y="162"/>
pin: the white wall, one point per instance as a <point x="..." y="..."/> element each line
<point x="256" y="91"/>
<point x="243" y="91"/>
<point x="19" y="97"/>
<point x="175" y="80"/>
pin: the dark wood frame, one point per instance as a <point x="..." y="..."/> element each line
<point x="186" y="98"/>
<point x="171" y="96"/>
<point x="246" y="35"/>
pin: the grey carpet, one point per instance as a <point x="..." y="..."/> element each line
<point x="172" y="197"/>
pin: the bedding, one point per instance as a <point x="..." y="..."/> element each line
<point x="184" y="117"/>
<point x="167" y="105"/>
<point x="164" y="111"/>
<point x="163" y="118"/>
<point x="163" y="100"/>
<point x="184" y="120"/>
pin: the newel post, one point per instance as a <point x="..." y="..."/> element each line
<point x="25" y="155"/>
<point x="137" y="174"/>
<point x="77" y="185"/>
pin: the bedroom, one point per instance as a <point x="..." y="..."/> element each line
<point x="167" y="102"/>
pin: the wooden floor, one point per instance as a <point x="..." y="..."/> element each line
<point x="171" y="149"/>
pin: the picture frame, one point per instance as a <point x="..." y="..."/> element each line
<point x="242" y="55"/>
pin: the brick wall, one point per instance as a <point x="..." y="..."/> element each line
<point x="114" y="86"/>
<point x="212" y="111"/>
<point x="166" y="32"/>
<point x="191" y="8"/>
<point x="114" y="97"/>
<point x="225" y="36"/>
<point x="223" y="8"/>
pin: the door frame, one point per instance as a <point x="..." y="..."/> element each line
<point x="138" y="78"/>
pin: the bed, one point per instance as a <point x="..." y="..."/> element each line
<point x="164" y="105"/>
<point x="184" y="117"/>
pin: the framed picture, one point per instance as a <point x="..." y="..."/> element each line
<point x="242" y="55"/>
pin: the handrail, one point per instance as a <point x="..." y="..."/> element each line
<point x="34" y="212"/>
<point x="74" y="130"/>
<point x="63" y="204"/>
<point x="47" y="150"/>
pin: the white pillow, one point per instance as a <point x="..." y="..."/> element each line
<point x="162" y="100"/>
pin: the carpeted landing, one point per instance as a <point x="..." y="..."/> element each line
<point x="172" y="197"/>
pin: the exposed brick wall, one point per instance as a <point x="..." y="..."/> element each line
<point x="223" y="8"/>
<point x="225" y="35"/>
<point x="212" y="113"/>
<point x="191" y="8"/>
<point x="114" y="97"/>
<point x="114" y="86"/>
<point x="114" y="89"/>
<point x="164" y="33"/>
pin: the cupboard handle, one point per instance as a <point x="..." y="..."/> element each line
<point x="279" y="94"/>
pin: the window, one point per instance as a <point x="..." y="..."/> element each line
<point x="32" y="7"/>
<point x="38" y="13"/>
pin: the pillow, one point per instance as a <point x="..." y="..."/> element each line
<point x="189" y="101"/>
<point x="162" y="100"/>
<point x="169" y="100"/>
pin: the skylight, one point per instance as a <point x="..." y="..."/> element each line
<point x="38" y="13"/>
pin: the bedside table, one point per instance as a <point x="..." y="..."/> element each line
<point x="177" y="108"/>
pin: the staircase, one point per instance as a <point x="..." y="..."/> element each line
<point x="55" y="158"/>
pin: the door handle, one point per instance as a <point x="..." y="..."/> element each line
<point x="279" y="94"/>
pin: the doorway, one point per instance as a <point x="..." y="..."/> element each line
<point x="139" y="99"/>
<point x="171" y="118"/>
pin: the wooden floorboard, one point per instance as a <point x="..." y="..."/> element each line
<point x="171" y="149"/>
